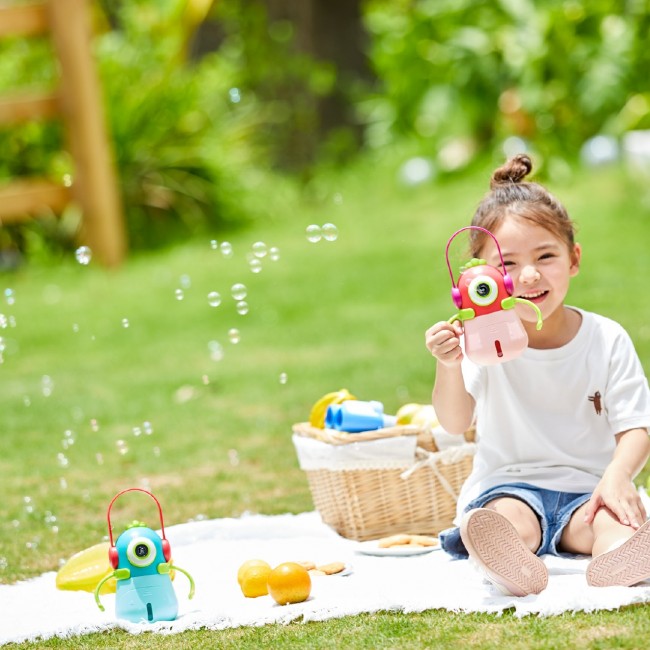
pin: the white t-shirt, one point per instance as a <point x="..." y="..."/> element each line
<point x="549" y="417"/>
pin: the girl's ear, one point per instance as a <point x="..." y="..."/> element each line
<point x="575" y="256"/>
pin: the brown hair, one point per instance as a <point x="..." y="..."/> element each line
<point x="510" y="195"/>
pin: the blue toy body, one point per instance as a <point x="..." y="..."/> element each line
<point x="147" y="594"/>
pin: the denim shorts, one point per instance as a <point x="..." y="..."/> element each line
<point x="553" y="510"/>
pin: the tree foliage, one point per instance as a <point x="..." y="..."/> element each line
<point x="554" y="72"/>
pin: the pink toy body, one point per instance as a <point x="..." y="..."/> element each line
<point x="492" y="330"/>
<point x="494" y="338"/>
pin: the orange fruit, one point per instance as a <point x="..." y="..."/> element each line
<point x="254" y="582"/>
<point x="252" y="576"/>
<point x="249" y="564"/>
<point x="289" y="583"/>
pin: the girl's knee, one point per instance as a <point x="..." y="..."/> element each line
<point x="522" y="517"/>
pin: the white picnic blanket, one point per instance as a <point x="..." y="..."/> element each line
<point x="213" y="550"/>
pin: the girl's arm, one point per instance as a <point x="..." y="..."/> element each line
<point x="616" y="490"/>
<point x="454" y="406"/>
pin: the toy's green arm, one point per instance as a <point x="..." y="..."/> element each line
<point x="463" y="314"/>
<point x="189" y="577"/>
<point x="510" y="301"/>
<point x="118" y="574"/>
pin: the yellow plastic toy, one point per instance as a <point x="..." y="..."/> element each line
<point x="84" y="570"/>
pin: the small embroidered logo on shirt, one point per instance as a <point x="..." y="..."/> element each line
<point x="598" y="405"/>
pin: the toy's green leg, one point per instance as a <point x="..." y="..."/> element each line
<point x="538" y="326"/>
<point x="99" y="586"/>
<point x="189" y="577"/>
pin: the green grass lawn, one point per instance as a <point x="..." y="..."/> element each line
<point x="91" y="356"/>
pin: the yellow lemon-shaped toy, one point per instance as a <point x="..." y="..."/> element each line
<point x="406" y="413"/>
<point x="84" y="570"/>
<point x="426" y="418"/>
<point x="319" y="410"/>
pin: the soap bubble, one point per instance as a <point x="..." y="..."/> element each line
<point x="337" y="198"/>
<point x="330" y="232"/>
<point x="216" y="350"/>
<point x="125" y="323"/>
<point x="94" y="425"/>
<point x="233" y="457"/>
<point x="214" y="244"/>
<point x="226" y="249"/>
<point x="313" y="233"/>
<point x="9" y="296"/>
<point x="274" y="253"/>
<point x="242" y="307"/>
<point x="99" y="457"/>
<point x="238" y="291"/>
<point x="29" y="506"/>
<point x="179" y="294"/>
<point x="47" y="385"/>
<point x="214" y="298"/>
<point x="283" y="378"/>
<point x="259" y="249"/>
<point x="137" y="432"/>
<point x="83" y="255"/>
<point x="62" y="460"/>
<point x="185" y="281"/>
<point x="147" y="427"/>
<point x="63" y="484"/>
<point x="75" y="327"/>
<point x="416" y="171"/>
<point x="122" y="447"/>
<point x="235" y="95"/>
<point x="3" y="563"/>
<point x="234" y="336"/>
<point x="255" y="265"/>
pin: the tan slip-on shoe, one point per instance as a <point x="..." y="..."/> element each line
<point x="626" y="565"/>
<point x="495" y="547"/>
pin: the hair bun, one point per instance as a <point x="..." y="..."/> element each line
<point x="513" y="171"/>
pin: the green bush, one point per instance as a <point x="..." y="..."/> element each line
<point x="474" y="73"/>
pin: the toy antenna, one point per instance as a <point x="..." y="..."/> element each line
<point x="110" y="505"/>
<point x="451" y="273"/>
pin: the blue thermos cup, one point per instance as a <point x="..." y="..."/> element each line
<point x="354" y="416"/>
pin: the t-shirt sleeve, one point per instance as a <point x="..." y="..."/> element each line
<point x="627" y="397"/>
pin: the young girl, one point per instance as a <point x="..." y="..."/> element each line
<point x="562" y="429"/>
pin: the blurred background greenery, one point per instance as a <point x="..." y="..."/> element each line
<point x="204" y="98"/>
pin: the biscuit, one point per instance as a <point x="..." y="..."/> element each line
<point x="308" y="564"/>
<point x="394" y="540"/>
<point x="331" y="568"/>
<point x="423" y="540"/>
<point x="316" y="572"/>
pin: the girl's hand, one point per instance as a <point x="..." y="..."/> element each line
<point x="617" y="493"/>
<point x="443" y="341"/>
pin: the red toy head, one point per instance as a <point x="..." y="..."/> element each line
<point x="482" y="287"/>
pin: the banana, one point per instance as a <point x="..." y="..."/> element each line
<point x="318" y="411"/>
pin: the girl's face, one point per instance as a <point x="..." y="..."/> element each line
<point x="539" y="263"/>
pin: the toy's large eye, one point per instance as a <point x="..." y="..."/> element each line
<point x="483" y="290"/>
<point x="141" y="552"/>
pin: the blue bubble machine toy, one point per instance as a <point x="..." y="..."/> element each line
<point x="142" y="563"/>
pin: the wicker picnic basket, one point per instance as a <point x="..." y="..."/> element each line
<point x="369" y="499"/>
